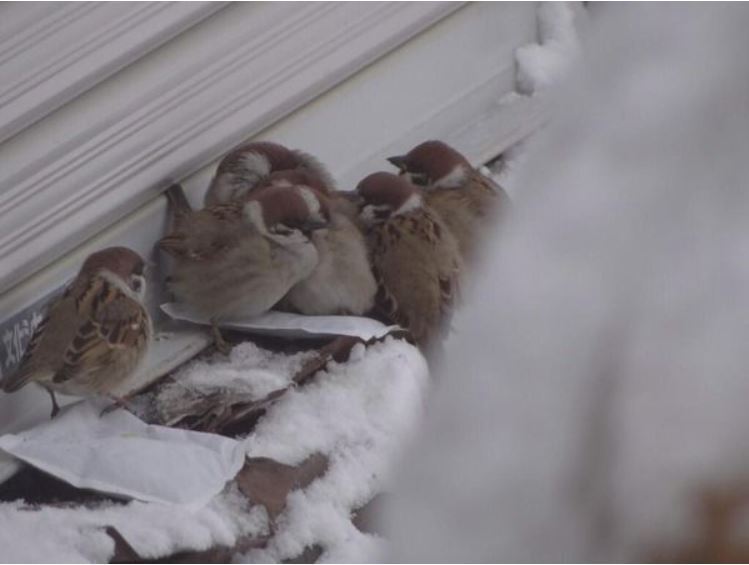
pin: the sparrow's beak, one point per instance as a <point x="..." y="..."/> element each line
<point x="399" y="161"/>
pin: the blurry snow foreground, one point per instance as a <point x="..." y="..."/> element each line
<point x="594" y="398"/>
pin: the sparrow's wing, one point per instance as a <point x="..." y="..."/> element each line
<point x="399" y="297"/>
<point x="449" y="281"/>
<point x="205" y="233"/>
<point x="111" y="321"/>
<point x="417" y="266"/>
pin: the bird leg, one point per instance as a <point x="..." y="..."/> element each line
<point x="55" y="406"/>
<point x="221" y="344"/>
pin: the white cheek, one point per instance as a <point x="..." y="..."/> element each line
<point x="368" y="215"/>
<point x="412" y="203"/>
<point x="253" y="215"/>
<point x="454" y="179"/>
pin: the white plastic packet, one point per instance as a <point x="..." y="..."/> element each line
<point x="119" y="454"/>
<point x="284" y="324"/>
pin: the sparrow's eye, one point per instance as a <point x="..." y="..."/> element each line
<point x="382" y="213"/>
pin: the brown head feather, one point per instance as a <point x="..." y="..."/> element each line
<point x="386" y="189"/>
<point x="121" y="261"/>
<point x="435" y="159"/>
<point x="287" y="205"/>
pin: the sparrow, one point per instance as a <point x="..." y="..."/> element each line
<point x="467" y="201"/>
<point x="415" y="257"/>
<point x="249" y="166"/>
<point x="342" y="282"/>
<point x="237" y="260"/>
<point x="94" y="335"/>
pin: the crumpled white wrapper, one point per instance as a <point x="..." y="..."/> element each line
<point x="284" y="324"/>
<point x="119" y="454"/>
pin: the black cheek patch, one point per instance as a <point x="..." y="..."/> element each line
<point x="382" y="214"/>
<point x="420" y="179"/>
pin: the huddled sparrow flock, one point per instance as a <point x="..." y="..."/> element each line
<point x="276" y="233"/>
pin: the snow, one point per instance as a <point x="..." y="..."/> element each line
<point x="356" y="413"/>
<point x="539" y="68"/>
<point x="541" y="65"/>
<point x="507" y="171"/>
<point x="596" y="384"/>
<point x="75" y="535"/>
<point x="250" y="370"/>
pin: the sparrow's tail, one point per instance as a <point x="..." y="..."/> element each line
<point x="177" y="199"/>
<point x="17" y="380"/>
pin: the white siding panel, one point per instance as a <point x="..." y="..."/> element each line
<point x="51" y="52"/>
<point x="111" y="149"/>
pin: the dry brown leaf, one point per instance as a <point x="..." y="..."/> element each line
<point x="268" y="482"/>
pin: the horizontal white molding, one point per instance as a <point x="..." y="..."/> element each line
<point x="112" y="149"/>
<point x="52" y="52"/>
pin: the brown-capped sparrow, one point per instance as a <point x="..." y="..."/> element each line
<point x="94" y="335"/>
<point x="415" y="258"/>
<point x="468" y="202"/>
<point x="237" y="260"/>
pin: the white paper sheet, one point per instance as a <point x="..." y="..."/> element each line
<point x="120" y="455"/>
<point x="288" y="325"/>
